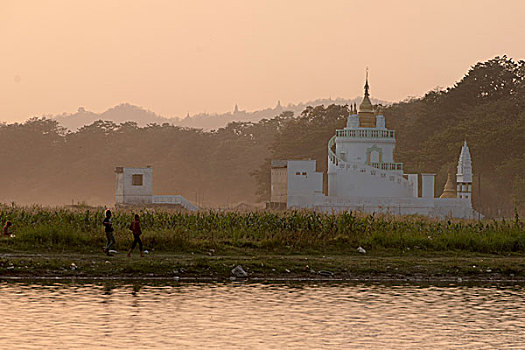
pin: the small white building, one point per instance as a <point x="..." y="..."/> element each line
<point x="135" y="187"/>
<point x="363" y="175"/>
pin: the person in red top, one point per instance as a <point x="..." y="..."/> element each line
<point x="137" y="231"/>
<point x="5" y="231"/>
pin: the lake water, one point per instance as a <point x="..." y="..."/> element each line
<point x="260" y="316"/>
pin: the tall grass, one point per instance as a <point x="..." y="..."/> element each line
<point x="76" y="229"/>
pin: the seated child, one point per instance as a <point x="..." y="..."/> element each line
<point x="5" y="231"/>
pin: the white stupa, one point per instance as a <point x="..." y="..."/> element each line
<point x="464" y="174"/>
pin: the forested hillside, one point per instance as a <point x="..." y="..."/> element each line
<point x="43" y="163"/>
<point x="487" y="109"/>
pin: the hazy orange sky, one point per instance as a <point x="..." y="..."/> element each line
<point x="174" y="57"/>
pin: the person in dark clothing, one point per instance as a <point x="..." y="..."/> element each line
<point x="137" y="231"/>
<point x="108" y="228"/>
<point x="5" y="231"/>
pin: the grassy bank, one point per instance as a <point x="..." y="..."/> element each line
<point x="296" y="243"/>
<point x="81" y="231"/>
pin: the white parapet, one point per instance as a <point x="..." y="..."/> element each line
<point x="427" y="185"/>
<point x="175" y="200"/>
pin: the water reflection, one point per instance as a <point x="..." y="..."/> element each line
<point x="261" y="316"/>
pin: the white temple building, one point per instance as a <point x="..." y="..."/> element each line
<point x="363" y="175"/>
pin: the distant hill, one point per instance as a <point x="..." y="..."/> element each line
<point x="126" y="112"/>
<point x="121" y="113"/>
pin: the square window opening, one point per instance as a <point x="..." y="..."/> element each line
<point x="136" y="179"/>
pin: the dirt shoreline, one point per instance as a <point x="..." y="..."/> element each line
<point x="385" y="267"/>
<point x="203" y="279"/>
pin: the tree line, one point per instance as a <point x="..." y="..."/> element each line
<point x="41" y="162"/>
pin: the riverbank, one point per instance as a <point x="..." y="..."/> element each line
<point x="63" y="242"/>
<point x="417" y="266"/>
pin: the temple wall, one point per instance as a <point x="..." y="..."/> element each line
<point x="365" y="181"/>
<point x="433" y="207"/>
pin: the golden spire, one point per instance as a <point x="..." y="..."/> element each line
<point x="449" y="191"/>
<point x="367" y="117"/>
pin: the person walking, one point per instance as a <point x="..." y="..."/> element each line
<point x="137" y="231"/>
<point x="108" y="228"/>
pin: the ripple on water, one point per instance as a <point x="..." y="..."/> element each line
<point x="261" y="316"/>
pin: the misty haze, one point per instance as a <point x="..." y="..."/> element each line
<point x="268" y="174"/>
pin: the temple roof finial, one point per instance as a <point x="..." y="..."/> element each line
<point x="366" y="84"/>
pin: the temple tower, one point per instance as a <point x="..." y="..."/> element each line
<point x="367" y="116"/>
<point x="464" y="174"/>
<point x="361" y="157"/>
